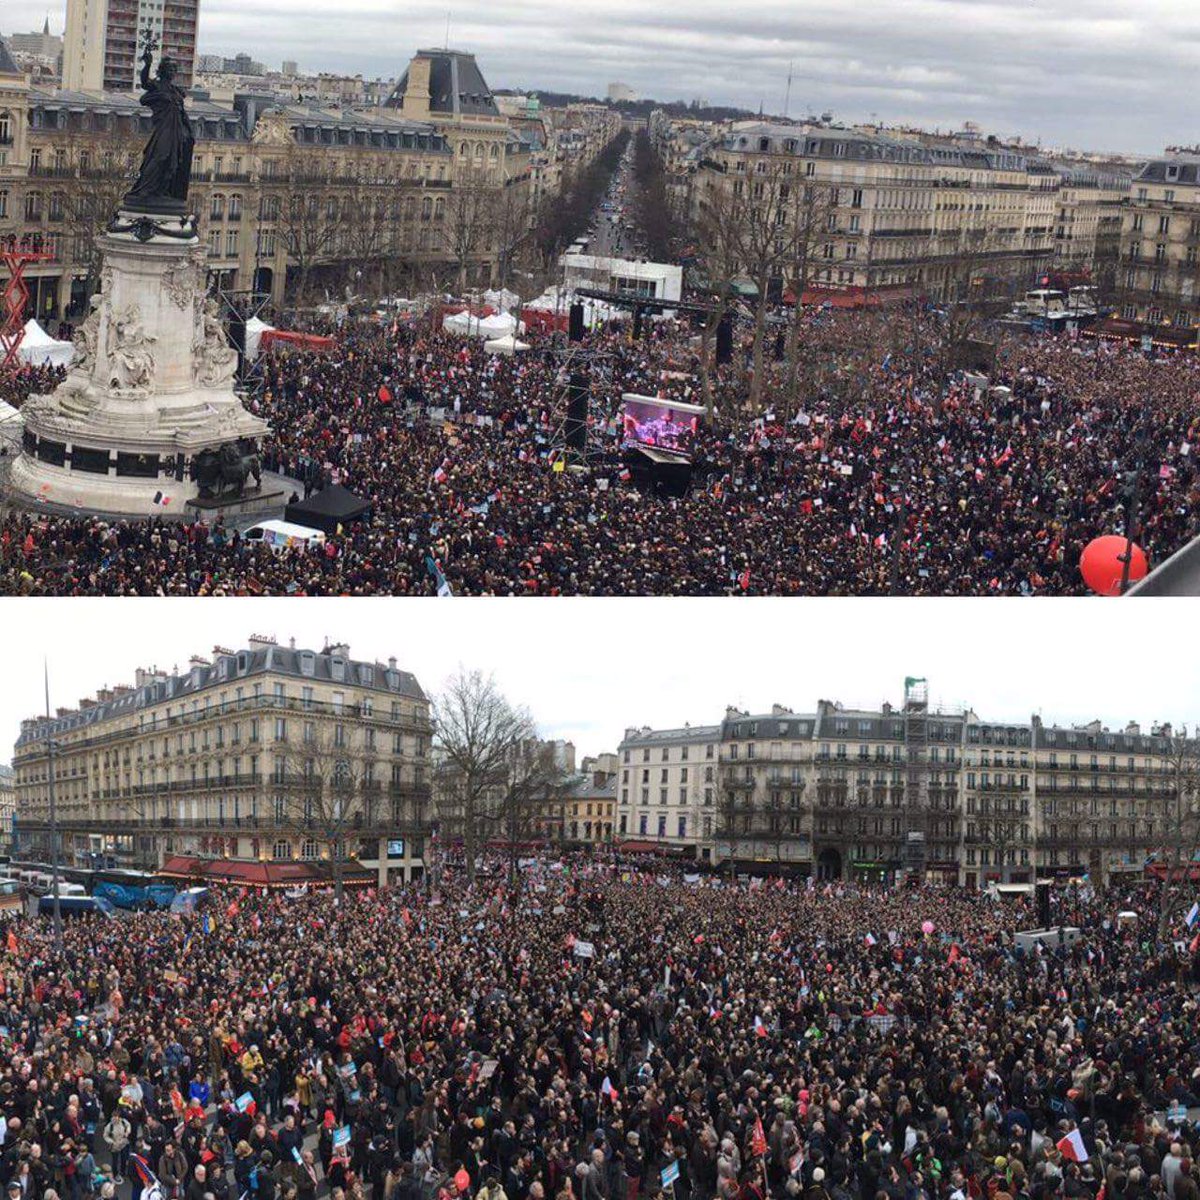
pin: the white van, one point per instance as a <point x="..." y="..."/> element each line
<point x="66" y="889"/>
<point x="283" y="535"/>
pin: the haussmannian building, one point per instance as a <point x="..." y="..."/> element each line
<point x="263" y="754"/>
<point x="841" y="792"/>
<point x="290" y="194"/>
<point x="1159" y="270"/>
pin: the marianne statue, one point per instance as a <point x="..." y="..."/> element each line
<point x="166" y="171"/>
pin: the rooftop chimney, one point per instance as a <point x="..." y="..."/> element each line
<point x="391" y="664"/>
<point x="416" y="90"/>
<point x="261" y="641"/>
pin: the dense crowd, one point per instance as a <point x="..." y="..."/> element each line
<point x="577" y="1035"/>
<point x="903" y="482"/>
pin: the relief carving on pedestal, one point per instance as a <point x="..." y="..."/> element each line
<point x="214" y="360"/>
<point x="131" y="364"/>
<point x="181" y="282"/>
<point x="85" y="339"/>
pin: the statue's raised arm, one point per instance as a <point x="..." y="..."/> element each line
<point x="144" y="77"/>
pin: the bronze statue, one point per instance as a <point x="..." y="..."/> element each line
<point x="224" y="473"/>
<point x="166" y="170"/>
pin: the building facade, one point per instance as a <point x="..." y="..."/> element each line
<point x="871" y="793"/>
<point x="101" y="44"/>
<point x="1159" y="270"/>
<point x="668" y="790"/>
<point x="268" y="753"/>
<point x="897" y="212"/>
<point x="8" y="805"/>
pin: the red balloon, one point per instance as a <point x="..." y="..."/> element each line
<point x="1103" y="564"/>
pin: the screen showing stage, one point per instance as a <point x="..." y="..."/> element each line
<point x="661" y="424"/>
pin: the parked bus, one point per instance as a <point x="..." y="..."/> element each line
<point x="76" y="906"/>
<point x="135" y="896"/>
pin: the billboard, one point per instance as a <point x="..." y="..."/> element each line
<point x="660" y="424"/>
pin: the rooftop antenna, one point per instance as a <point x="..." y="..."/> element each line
<point x="787" y="98"/>
<point x="447" y="29"/>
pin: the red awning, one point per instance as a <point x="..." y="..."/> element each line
<point x="641" y="848"/>
<point x="253" y="873"/>
<point x="304" y="341"/>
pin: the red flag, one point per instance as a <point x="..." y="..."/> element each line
<point x="954" y="953"/>
<point x="12" y="942"/>
<point x="758" y="1142"/>
<point x="385" y="396"/>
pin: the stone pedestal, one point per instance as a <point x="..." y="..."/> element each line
<point x="150" y="389"/>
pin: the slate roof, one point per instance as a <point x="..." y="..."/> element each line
<point x="456" y="86"/>
<point x="8" y="65"/>
<point x="242" y="664"/>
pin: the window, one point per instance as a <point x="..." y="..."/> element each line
<point x="662" y="825"/>
<point x="217" y="208"/>
<point x="281" y="849"/>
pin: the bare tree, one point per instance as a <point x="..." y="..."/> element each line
<point x="469" y="220"/>
<point x="333" y="794"/>
<point x="812" y="205"/>
<point x="479" y="740"/>
<point x="306" y="222"/>
<point x="999" y="829"/>
<point x="717" y="232"/>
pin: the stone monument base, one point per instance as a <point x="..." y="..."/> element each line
<point x="149" y="401"/>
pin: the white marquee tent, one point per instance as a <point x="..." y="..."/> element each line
<point x="38" y="347"/>
<point x="507" y="346"/>
<point x="254" y="331"/>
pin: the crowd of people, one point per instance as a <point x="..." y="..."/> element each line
<point x="578" y="1034"/>
<point x="882" y="477"/>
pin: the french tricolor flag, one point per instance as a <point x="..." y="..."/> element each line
<point x="607" y="1089"/>
<point x="759" y="1027"/>
<point x="870" y="939"/>
<point x="1193" y="914"/>
<point x="1072" y="1147"/>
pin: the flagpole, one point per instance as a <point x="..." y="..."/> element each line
<point x="57" y="904"/>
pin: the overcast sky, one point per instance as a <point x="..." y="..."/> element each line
<point x="1106" y="74"/>
<point x="589" y="668"/>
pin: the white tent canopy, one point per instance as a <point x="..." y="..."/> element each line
<point x="254" y="331"/>
<point x="507" y="346"/>
<point x="8" y="413"/>
<point x="38" y="347"/>
<point x="504" y="300"/>
<point x="559" y="300"/>
<point x="501" y="325"/>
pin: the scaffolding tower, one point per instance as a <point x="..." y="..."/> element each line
<point x="576" y="364"/>
<point x="916" y="781"/>
<point x="237" y="307"/>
